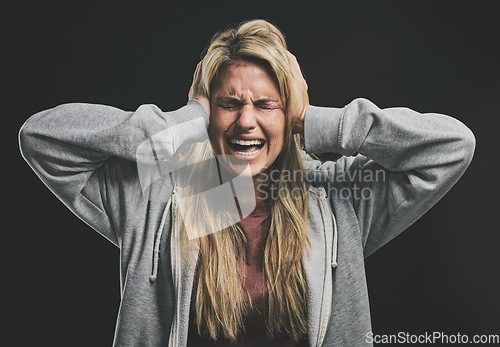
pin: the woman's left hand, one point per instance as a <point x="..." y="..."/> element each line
<point x="298" y="122"/>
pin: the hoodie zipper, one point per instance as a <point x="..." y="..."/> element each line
<point x="330" y="262"/>
<point x="174" y="332"/>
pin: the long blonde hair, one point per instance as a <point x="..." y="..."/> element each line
<point x="219" y="303"/>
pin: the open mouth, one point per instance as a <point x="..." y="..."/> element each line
<point x="246" y="147"/>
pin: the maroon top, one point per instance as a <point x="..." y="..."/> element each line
<point x="256" y="227"/>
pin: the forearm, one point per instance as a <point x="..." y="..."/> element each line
<point x="397" y="138"/>
<point x="79" y="137"/>
<point x="99" y="130"/>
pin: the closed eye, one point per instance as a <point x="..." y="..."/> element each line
<point x="267" y="104"/>
<point x="228" y="103"/>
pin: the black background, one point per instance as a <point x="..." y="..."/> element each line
<point x="60" y="279"/>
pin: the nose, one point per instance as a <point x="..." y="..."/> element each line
<point x="247" y="118"/>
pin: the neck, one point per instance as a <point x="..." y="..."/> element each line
<point x="259" y="189"/>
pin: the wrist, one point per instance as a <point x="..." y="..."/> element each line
<point x="298" y="124"/>
<point x="322" y="129"/>
<point x="204" y="103"/>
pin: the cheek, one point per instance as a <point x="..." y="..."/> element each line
<point x="276" y="138"/>
<point x="278" y="130"/>
<point x="279" y="135"/>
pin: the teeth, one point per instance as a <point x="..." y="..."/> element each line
<point x="246" y="142"/>
<point x="247" y="153"/>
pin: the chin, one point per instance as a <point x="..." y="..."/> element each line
<point x="240" y="167"/>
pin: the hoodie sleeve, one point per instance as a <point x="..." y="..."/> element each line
<point x="396" y="163"/>
<point x="97" y="159"/>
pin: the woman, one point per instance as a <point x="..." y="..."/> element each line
<point x="281" y="264"/>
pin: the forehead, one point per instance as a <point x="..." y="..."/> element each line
<point x="243" y="77"/>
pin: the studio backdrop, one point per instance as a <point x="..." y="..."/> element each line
<point x="60" y="279"/>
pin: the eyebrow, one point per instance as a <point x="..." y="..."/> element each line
<point x="229" y="99"/>
<point x="233" y="99"/>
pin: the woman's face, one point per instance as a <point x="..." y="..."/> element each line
<point x="247" y="121"/>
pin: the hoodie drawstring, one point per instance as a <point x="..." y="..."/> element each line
<point x="335" y="242"/>
<point x="156" y="252"/>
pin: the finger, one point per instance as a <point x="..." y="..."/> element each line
<point x="295" y="65"/>
<point x="196" y="78"/>
<point x="196" y="72"/>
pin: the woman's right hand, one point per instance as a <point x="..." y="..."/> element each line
<point x="196" y="91"/>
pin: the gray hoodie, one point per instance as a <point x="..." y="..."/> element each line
<point x="395" y="165"/>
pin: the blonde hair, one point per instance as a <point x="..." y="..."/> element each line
<point x="219" y="301"/>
